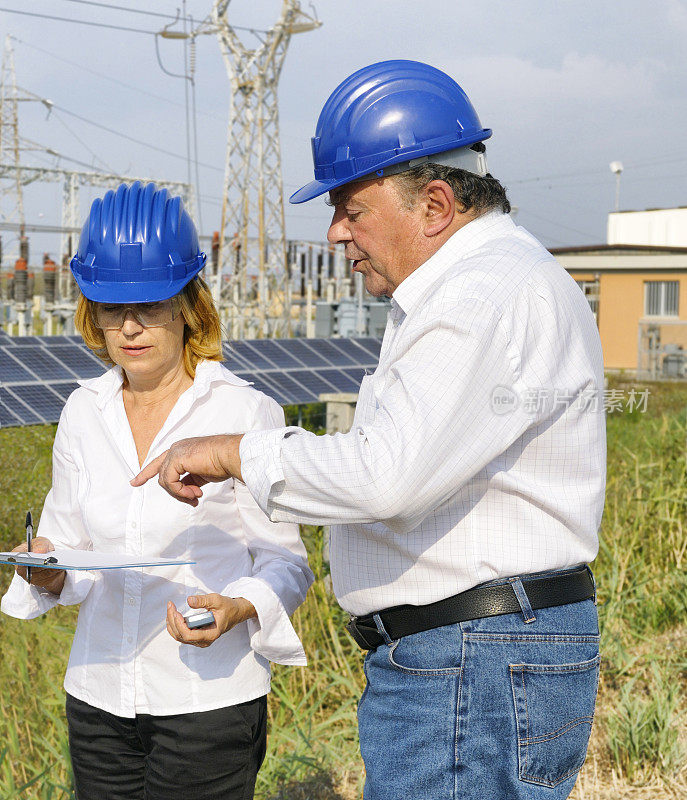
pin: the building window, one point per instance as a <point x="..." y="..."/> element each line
<point x="661" y="298"/>
<point x="591" y="292"/>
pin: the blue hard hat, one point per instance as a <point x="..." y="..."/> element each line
<point x="138" y="245"/>
<point x="384" y="114"/>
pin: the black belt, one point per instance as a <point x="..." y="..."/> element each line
<point x="481" y="601"/>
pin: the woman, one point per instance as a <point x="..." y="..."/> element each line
<point x="150" y="714"/>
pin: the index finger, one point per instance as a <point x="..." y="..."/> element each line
<point x="150" y="471"/>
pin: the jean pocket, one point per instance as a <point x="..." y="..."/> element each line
<point x="554" y="709"/>
<point x="433" y="653"/>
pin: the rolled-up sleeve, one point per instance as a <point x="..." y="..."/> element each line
<point x="281" y="576"/>
<point x="61" y="522"/>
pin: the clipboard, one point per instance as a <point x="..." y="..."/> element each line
<point x="85" y="560"/>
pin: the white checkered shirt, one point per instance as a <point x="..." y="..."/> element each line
<point x="478" y="448"/>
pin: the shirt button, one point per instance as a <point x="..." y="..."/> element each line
<point x="133" y="524"/>
<point x="132" y="602"/>
<point x="129" y="639"/>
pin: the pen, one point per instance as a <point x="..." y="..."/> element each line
<point x="29" y="535"/>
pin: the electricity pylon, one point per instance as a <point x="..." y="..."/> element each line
<point x="9" y="140"/>
<point x="15" y="173"/>
<point x="252" y="240"/>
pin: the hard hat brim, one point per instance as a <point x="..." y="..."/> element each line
<point x="318" y="187"/>
<point x="315" y="189"/>
<point x="124" y="292"/>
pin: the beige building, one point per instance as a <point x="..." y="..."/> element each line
<point x="639" y="296"/>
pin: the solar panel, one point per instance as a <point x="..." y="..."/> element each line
<point x="39" y="373"/>
<point x="279" y="356"/>
<point x="7" y="418"/>
<point x="313" y="381"/>
<point x="340" y="380"/>
<point x="356" y="374"/>
<point x="25" y="415"/>
<point x="251" y="356"/>
<point x="40" y="399"/>
<point x="40" y="363"/>
<point x="18" y="341"/>
<point x="326" y="348"/>
<point x="64" y="389"/>
<point x="262" y="385"/>
<point x="370" y="345"/>
<point x="296" y="392"/>
<point x="12" y="370"/>
<point x="306" y="355"/>
<point x="78" y="359"/>
<point x="232" y="359"/>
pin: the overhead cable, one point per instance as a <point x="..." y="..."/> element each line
<point x="78" y="21"/>
<point x="84" y="68"/>
<point x="114" y="7"/>
<point x="133" y="139"/>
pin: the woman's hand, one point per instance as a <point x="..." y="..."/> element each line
<point x="228" y="611"/>
<point x="50" y="579"/>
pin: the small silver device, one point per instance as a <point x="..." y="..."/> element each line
<point x="199" y="619"/>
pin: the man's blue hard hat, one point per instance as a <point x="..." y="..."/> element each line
<point x="388" y="113"/>
<point x="138" y="245"/>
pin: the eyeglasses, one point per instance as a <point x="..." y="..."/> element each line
<point x="111" y="316"/>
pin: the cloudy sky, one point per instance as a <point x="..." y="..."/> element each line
<point x="567" y="87"/>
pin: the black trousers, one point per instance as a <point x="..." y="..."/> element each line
<point x="208" y="755"/>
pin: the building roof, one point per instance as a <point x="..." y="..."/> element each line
<point x="611" y="249"/>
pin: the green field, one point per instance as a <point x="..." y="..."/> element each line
<point x="639" y="743"/>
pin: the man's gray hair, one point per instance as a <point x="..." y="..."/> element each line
<point x="472" y="192"/>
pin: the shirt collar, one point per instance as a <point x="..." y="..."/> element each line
<point x="464" y="241"/>
<point x="207" y="372"/>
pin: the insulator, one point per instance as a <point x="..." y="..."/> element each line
<point x="21" y="278"/>
<point x="49" y="286"/>
<point x="73" y="288"/>
<point x="215" y="252"/>
<point x="192" y="57"/>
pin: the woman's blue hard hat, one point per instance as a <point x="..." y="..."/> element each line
<point x="388" y="113"/>
<point x="138" y="245"/>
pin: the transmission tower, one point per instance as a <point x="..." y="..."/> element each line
<point x="9" y="139"/>
<point x="252" y="241"/>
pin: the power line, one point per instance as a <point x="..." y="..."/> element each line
<point x="126" y="136"/>
<point x="78" y="21"/>
<point x="83" y="68"/>
<point x="651" y="162"/>
<point x="557" y="224"/>
<point x="114" y="7"/>
<point x="581" y="173"/>
<point x="133" y="139"/>
<point x="82" y="143"/>
<point x="50" y="152"/>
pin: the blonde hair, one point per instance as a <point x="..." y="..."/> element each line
<point x="202" y="332"/>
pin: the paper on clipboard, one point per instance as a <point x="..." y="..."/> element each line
<point x="85" y="559"/>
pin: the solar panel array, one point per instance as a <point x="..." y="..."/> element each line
<point x="38" y="373"/>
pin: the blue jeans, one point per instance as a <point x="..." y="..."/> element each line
<point x="498" y="708"/>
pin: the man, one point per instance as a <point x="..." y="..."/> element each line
<point x="466" y="499"/>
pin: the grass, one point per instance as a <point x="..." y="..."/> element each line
<point x="639" y="743"/>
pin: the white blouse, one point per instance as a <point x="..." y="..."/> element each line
<point x="123" y="660"/>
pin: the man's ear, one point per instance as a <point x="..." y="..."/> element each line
<point x="440" y="207"/>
